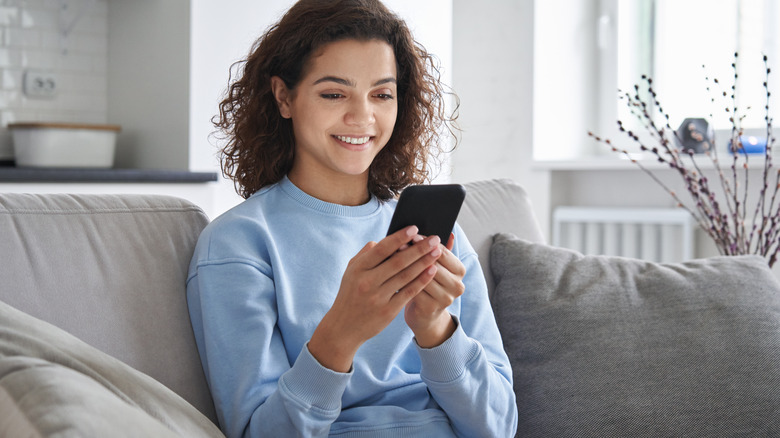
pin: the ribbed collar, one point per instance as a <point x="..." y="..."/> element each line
<point x="321" y="206"/>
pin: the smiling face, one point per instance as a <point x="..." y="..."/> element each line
<point x="343" y="111"/>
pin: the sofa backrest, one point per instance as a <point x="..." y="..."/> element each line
<point x="496" y="206"/>
<point x="110" y="270"/>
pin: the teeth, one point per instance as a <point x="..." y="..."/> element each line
<point x="353" y="140"/>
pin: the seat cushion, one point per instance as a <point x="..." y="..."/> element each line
<point x="608" y="346"/>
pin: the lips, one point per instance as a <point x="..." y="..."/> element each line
<point x="353" y="140"/>
<point x="355" y="143"/>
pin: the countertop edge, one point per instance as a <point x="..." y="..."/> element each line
<point x="85" y="175"/>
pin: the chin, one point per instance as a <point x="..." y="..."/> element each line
<point x="355" y="168"/>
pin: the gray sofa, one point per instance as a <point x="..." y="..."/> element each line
<point x="95" y="338"/>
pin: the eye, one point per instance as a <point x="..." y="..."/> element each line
<point x="384" y="96"/>
<point x="331" y="96"/>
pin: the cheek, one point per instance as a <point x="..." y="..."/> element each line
<point x="389" y="119"/>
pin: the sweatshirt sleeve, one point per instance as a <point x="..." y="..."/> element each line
<point x="256" y="390"/>
<point x="469" y="375"/>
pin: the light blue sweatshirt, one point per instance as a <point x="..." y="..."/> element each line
<point x="262" y="277"/>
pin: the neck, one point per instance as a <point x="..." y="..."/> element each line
<point x="343" y="190"/>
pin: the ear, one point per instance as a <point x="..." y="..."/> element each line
<point x="282" y="95"/>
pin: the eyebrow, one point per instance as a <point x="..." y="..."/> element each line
<point x="350" y="83"/>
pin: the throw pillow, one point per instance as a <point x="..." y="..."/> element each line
<point x="53" y="384"/>
<point x="40" y="398"/>
<point x="610" y="347"/>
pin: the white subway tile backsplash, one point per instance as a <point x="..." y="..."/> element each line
<point x="9" y="16"/>
<point x="51" y="40"/>
<point x="38" y="59"/>
<point x="31" y="37"/>
<point x="23" y="38"/>
<point x="34" y="4"/>
<point x="10" y="98"/>
<point x="90" y="44"/>
<point x="74" y="62"/>
<point x="84" y="83"/>
<point x="9" y="57"/>
<point x="10" y="79"/>
<point x="39" y="18"/>
<point x="83" y="102"/>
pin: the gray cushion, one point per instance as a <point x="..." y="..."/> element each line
<point x="52" y="384"/>
<point x="613" y="347"/>
<point x="493" y="206"/>
<point x="38" y="398"/>
<point x="111" y="270"/>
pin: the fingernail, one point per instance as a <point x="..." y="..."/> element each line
<point x="417" y="238"/>
<point x="434" y="241"/>
<point x="411" y="231"/>
<point x="436" y="252"/>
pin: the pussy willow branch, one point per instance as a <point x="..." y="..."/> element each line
<point x="640" y="110"/>
<point x="696" y="183"/>
<point x="761" y="204"/>
<point x="728" y="228"/>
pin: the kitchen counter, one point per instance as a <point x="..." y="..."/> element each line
<point x="67" y="175"/>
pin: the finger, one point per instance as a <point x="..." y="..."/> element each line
<point x="447" y="285"/>
<point x="367" y="247"/>
<point x="406" y="266"/>
<point x="439" y="285"/>
<point x="424" y="302"/>
<point x="416" y="239"/>
<point x="451" y="263"/>
<point x="402" y="260"/>
<point x="412" y="289"/>
<point x="389" y="245"/>
<point x="451" y="242"/>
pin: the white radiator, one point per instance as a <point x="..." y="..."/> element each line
<point x="654" y="234"/>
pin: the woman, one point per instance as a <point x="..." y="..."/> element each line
<point x="309" y="321"/>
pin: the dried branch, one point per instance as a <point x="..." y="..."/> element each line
<point x="727" y="225"/>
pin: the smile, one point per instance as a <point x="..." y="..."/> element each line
<point x="353" y="140"/>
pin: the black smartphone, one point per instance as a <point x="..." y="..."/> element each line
<point x="432" y="208"/>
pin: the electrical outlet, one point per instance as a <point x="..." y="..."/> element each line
<point x="40" y="84"/>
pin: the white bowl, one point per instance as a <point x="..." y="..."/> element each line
<point x="63" y="144"/>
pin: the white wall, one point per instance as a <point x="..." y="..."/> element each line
<point x="31" y="38"/>
<point x="431" y="24"/>
<point x="148" y="82"/>
<point x="566" y="95"/>
<point x="221" y="33"/>
<point x="493" y="73"/>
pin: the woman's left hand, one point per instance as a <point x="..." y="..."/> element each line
<point x="426" y="314"/>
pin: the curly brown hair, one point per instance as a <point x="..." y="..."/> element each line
<point x="260" y="144"/>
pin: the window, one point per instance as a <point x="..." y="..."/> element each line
<point x="584" y="56"/>
<point x="685" y="44"/>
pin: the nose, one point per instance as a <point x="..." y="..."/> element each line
<point x="360" y="113"/>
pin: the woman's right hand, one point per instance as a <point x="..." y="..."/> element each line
<point x="376" y="285"/>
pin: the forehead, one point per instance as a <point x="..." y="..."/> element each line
<point x="352" y="59"/>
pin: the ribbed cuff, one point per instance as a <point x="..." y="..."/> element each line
<point x="448" y="361"/>
<point x="313" y="384"/>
